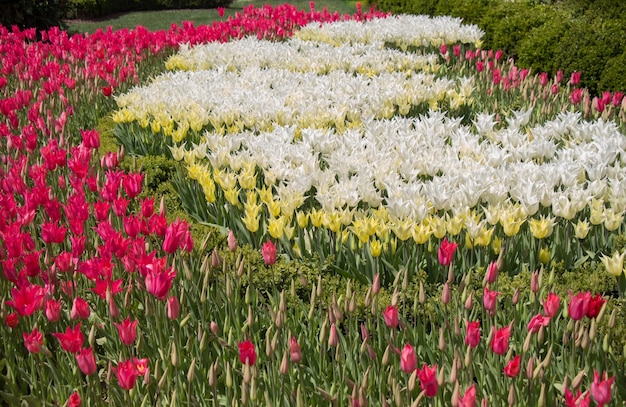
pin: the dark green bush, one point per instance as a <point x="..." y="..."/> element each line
<point x="99" y="8"/>
<point x="537" y="50"/>
<point x="39" y="14"/>
<point x="587" y="47"/>
<point x="471" y="11"/>
<point x="508" y="23"/>
<point x="416" y="7"/>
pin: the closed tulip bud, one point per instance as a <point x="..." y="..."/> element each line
<point x="385" y="360"/>
<point x="468" y="301"/>
<point x="442" y="340"/>
<point x="445" y="295"/>
<point x="534" y="282"/>
<point x="530" y="366"/>
<point x="284" y="364"/>
<point x="333" y="338"/>
<point x="191" y="373"/>
<point x="174" y="355"/>
<point x="468" y="357"/>
<point x="452" y="377"/>
<point x="577" y="380"/>
<point x="511" y="398"/>
<point x="412" y="380"/>
<point x="376" y="284"/>
<point x="173" y="308"/>
<point x="245" y="396"/>
<point x="92" y="335"/>
<point x="515" y="298"/>
<point x="113" y="310"/>
<point x="422" y="293"/>
<point x="232" y="241"/>
<point x="542" y="395"/>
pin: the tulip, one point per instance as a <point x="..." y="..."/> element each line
<point x="469" y="397"/>
<point x="537" y="322"/>
<point x="80" y="309"/>
<point x="295" y="353"/>
<point x="127" y="331"/>
<point x="578" y="305"/>
<point x="33" y="340"/>
<point x="126" y="374"/>
<point x="333" y="338"/>
<point x="551" y="305"/>
<point x="390" y="315"/>
<point x="74" y="400"/>
<point x="86" y="361"/>
<point x="595" y="305"/>
<point x="580" y="400"/>
<point x="446" y="252"/>
<point x="232" y="241"/>
<point x="614" y="265"/>
<point x="27" y="299"/>
<point x="490" y="300"/>
<point x="428" y="380"/>
<point x="513" y="367"/>
<point x="492" y="272"/>
<point x="173" y="307"/>
<point x="247" y="354"/>
<point x="71" y="340"/>
<point x="472" y="334"/>
<point x="268" y="250"/>
<point x="408" y="359"/>
<point x="500" y="340"/>
<point x="601" y="388"/>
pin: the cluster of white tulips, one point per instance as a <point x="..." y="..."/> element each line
<point x="333" y="128"/>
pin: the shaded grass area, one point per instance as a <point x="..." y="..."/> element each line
<point x="163" y="19"/>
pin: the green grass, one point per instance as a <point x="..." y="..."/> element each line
<point x="163" y="20"/>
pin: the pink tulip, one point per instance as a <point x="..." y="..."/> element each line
<point x="390" y="315"/>
<point x="446" y="252"/>
<point x="268" y="251"/>
<point x="408" y="359"/>
<point x="601" y="388"/>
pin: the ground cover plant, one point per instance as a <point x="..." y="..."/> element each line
<point x="306" y="209"/>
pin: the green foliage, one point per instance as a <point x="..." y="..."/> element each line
<point x="508" y="23"/>
<point x="417" y="7"/>
<point x="613" y="76"/>
<point x="39" y="14"/>
<point x="587" y="46"/>
<point x="537" y="49"/>
<point x="471" y="11"/>
<point x="99" y="8"/>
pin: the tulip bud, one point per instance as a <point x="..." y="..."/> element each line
<point x="452" y="377"/>
<point x="445" y="295"/>
<point x="515" y="298"/>
<point x="376" y="284"/>
<point x="422" y="294"/>
<point x="245" y="396"/>
<point x="455" y="395"/>
<point x="442" y="340"/>
<point x="412" y="380"/>
<point x="284" y="364"/>
<point x="113" y="310"/>
<point x="578" y="379"/>
<point x="534" y="282"/>
<point x="613" y="313"/>
<point x="173" y="307"/>
<point x="333" y="339"/>
<point x="441" y="376"/>
<point x="468" y="301"/>
<point x="174" y="355"/>
<point x="191" y="373"/>
<point x="468" y="356"/>
<point x="385" y="359"/>
<point x="232" y="241"/>
<point x="530" y="367"/>
<point x="542" y="395"/>
<point x="511" y="398"/>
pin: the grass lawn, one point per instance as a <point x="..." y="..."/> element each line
<point x="162" y="20"/>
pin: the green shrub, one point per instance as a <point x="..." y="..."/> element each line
<point x="417" y="7"/>
<point x="537" y="50"/>
<point x="471" y="11"/>
<point x="508" y="23"/>
<point x="99" y="8"/>
<point x="39" y="14"/>
<point x="587" y="47"/>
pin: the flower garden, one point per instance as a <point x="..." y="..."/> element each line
<point x="295" y="207"/>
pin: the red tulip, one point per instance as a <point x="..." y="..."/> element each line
<point x="551" y="305"/>
<point x="86" y="361"/>
<point x="500" y="340"/>
<point x="408" y="359"/>
<point x="578" y="305"/>
<point x="33" y="340"/>
<point x="173" y="307"/>
<point x="107" y="91"/>
<point x="601" y="388"/>
<point x="469" y="398"/>
<point x="91" y="138"/>
<point x="27" y="299"/>
<point x="446" y="252"/>
<point x="127" y="330"/>
<point x="490" y="300"/>
<point x="247" y="354"/>
<point x="132" y="184"/>
<point x="268" y="250"/>
<point x="141" y="367"/>
<point x="159" y="282"/>
<point x="51" y="233"/>
<point x="512" y="368"/>
<point x="574" y="78"/>
<point x="492" y="272"/>
<point x="176" y="235"/>
<point x="126" y="374"/>
<point x="580" y="400"/>
<point x="472" y="334"/>
<point x="72" y="340"/>
<point x="12" y="320"/>
<point x="595" y="305"/>
<point x="428" y="380"/>
<point x="80" y="309"/>
<point x="295" y="353"/>
<point x="74" y="400"/>
<point x="53" y="310"/>
<point x="390" y="315"/>
<point x="537" y="322"/>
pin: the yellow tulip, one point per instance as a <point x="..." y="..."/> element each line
<point x="303" y="219"/>
<point x="376" y="248"/>
<point x="251" y="222"/>
<point x="317" y="217"/>
<point x="544" y="255"/>
<point x="542" y="227"/>
<point x="276" y="226"/>
<point x="421" y="233"/>
<point x="581" y="229"/>
<point x="615" y="264"/>
<point x="612" y="219"/>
